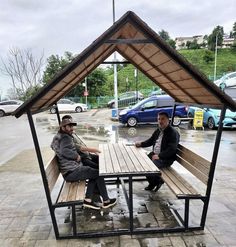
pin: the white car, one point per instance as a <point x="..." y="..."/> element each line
<point x="9" y="106"/>
<point x="228" y="80"/>
<point x="66" y="105"/>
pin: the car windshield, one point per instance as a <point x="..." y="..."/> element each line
<point x="138" y="104"/>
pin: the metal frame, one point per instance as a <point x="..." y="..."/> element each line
<point x="184" y="222"/>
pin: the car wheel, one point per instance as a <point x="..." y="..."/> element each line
<point x="176" y="121"/>
<point x="222" y="86"/>
<point x="2" y="113"/>
<point x="78" y="109"/>
<point x="210" y="123"/>
<point x="132" y="121"/>
<point x="53" y="110"/>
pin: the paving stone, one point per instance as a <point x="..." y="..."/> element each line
<point x="151" y="242"/>
<point x="51" y="243"/>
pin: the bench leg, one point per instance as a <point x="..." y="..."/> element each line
<point x="186" y="213"/>
<point x="74" y="220"/>
<point x="131" y="220"/>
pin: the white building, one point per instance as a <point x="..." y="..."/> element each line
<point x="181" y="41"/>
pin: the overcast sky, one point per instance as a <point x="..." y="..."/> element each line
<point x="56" y="26"/>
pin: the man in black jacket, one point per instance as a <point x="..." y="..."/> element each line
<point x="164" y="141"/>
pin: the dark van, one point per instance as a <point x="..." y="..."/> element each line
<point x="146" y="111"/>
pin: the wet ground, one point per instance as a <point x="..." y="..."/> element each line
<point x="25" y="220"/>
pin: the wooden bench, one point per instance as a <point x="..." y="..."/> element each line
<point x="199" y="168"/>
<point x="70" y="194"/>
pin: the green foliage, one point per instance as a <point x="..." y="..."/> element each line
<point x="28" y="93"/>
<point x="215" y="36"/>
<point x="233" y="46"/>
<point x="56" y="64"/>
<point x="234" y="31"/>
<point x="226" y="61"/>
<point x="208" y="56"/>
<point x="164" y="35"/>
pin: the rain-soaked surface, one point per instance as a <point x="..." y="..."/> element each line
<point x="95" y="127"/>
<point x="150" y="209"/>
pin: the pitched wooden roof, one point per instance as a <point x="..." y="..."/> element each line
<point x="140" y="45"/>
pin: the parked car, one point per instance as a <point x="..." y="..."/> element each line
<point x="9" y="106"/>
<point x="125" y="99"/>
<point x="66" y="105"/>
<point x="228" y="80"/>
<point x="211" y="117"/>
<point x="157" y="92"/>
<point x="146" y="111"/>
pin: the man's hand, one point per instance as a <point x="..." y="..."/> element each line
<point x="137" y="144"/>
<point x="155" y="157"/>
<point x="78" y="158"/>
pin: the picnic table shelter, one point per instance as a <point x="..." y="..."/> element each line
<point x="140" y="45"/>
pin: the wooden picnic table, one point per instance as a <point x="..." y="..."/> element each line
<point x="121" y="160"/>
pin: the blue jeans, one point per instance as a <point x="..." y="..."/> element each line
<point x="92" y="174"/>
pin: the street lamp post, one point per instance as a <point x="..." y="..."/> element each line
<point x="115" y="67"/>
<point x="215" y="57"/>
<point x="136" y="82"/>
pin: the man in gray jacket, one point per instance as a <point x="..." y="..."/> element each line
<point x="72" y="168"/>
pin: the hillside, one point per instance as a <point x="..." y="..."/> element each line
<point x="226" y="61"/>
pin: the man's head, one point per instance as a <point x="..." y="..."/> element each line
<point x="163" y="120"/>
<point x="67" y="125"/>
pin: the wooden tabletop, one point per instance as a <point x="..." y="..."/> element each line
<point x="121" y="159"/>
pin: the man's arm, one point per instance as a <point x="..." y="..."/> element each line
<point x="149" y="142"/>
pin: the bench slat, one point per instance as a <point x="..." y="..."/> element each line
<point x="72" y="192"/>
<point x="201" y="176"/>
<point x="177" y="183"/>
<point x="196" y="160"/>
<point x="52" y="172"/>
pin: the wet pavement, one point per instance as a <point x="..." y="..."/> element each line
<point x="24" y="217"/>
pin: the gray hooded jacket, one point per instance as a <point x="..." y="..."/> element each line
<point x="65" y="149"/>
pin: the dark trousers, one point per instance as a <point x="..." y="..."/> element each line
<point x="84" y="172"/>
<point x="155" y="179"/>
<point x="91" y="160"/>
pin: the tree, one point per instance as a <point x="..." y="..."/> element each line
<point x="234" y="31"/>
<point x="216" y="35"/>
<point x="194" y="45"/>
<point x="172" y="43"/>
<point x="24" y="69"/>
<point x="55" y="63"/>
<point x="164" y="35"/>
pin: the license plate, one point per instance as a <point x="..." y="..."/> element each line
<point x="233" y="126"/>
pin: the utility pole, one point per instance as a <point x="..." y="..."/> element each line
<point x="136" y="82"/>
<point x="115" y="67"/>
<point x="215" y="56"/>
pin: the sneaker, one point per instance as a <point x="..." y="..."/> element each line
<point x="91" y="204"/>
<point x="109" y="204"/>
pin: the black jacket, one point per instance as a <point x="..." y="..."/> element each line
<point x="169" y="144"/>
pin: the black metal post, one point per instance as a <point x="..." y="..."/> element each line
<point x="213" y="165"/>
<point x="43" y="174"/>
<point x="173" y="115"/>
<point x="58" y="115"/>
<point x="131" y="220"/>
